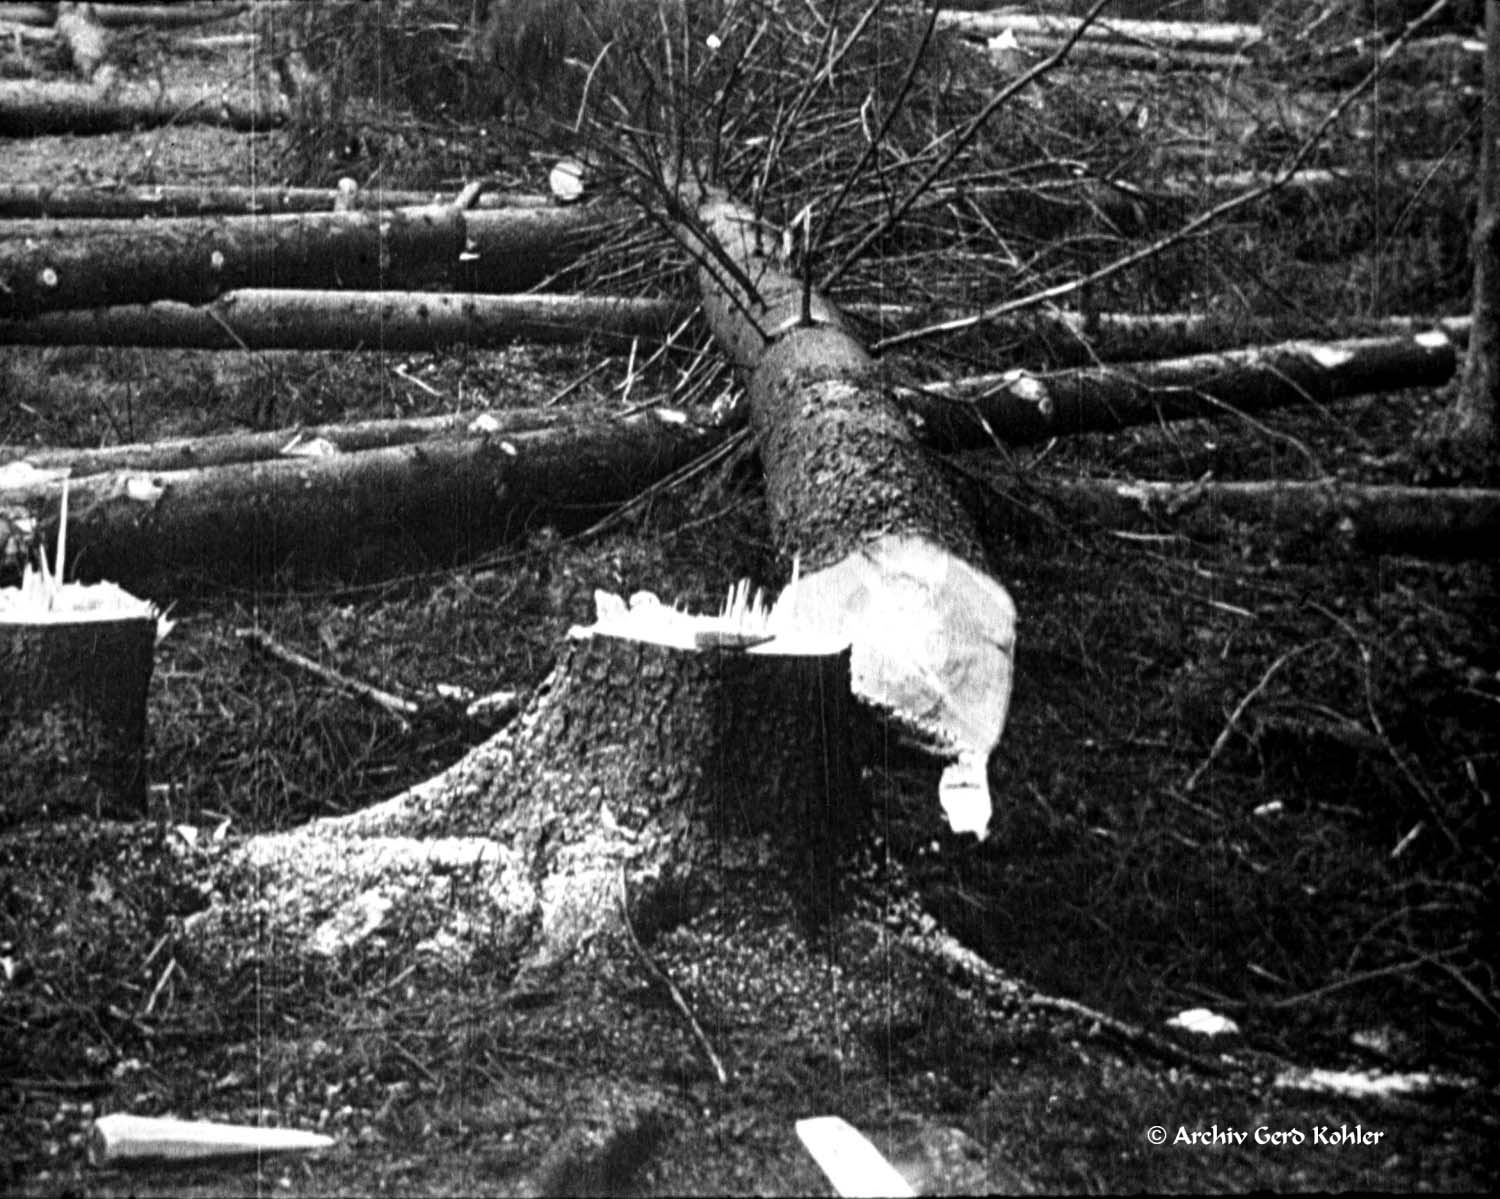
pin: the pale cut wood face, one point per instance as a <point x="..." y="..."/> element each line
<point x="932" y="642"/>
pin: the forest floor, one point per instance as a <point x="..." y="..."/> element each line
<point x="1238" y="774"/>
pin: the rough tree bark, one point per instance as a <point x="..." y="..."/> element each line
<point x="195" y="260"/>
<point x="307" y="319"/>
<point x="348" y="514"/>
<point x="890" y="560"/>
<point x="73" y="716"/>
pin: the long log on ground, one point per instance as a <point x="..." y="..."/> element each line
<point x="266" y="319"/>
<point x="1066" y="338"/>
<point x="33" y="108"/>
<point x="160" y="15"/>
<point x="42" y="201"/>
<point x="1221" y="37"/>
<point x="1123" y="55"/>
<point x="1306" y="518"/>
<point x="891" y="561"/>
<point x="196" y="259"/>
<point x="1019" y="407"/>
<point x="1450" y="59"/>
<point x="195" y="453"/>
<point x="358" y="514"/>
<point x="1059" y="201"/>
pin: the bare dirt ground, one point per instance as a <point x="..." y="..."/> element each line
<point x="1239" y="774"/>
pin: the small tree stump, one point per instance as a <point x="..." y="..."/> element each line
<point x="73" y="716"/>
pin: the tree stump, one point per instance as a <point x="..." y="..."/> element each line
<point x="73" y="715"/>
<point x="667" y="763"/>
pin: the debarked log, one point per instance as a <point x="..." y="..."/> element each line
<point x="1306" y="517"/>
<point x="1220" y="37"/>
<point x="360" y="514"/>
<point x="309" y="319"/>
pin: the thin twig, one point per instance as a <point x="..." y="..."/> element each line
<point x="665" y="979"/>
<point x="1355" y="980"/>
<point x="1234" y="717"/>
<point x="959" y="144"/>
<point x="402" y="709"/>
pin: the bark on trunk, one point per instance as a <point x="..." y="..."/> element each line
<point x="42" y="201"/>
<point x="197" y="260"/>
<point x="351" y="515"/>
<point x="1019" y="407"/>
<point x="684" y="768"/>
<point x="268" y="319"/>
<point x="195" y="453"/>
<point x="73" y="717"/>
<point x="47" y="266"/>
<point x="1306" y="518"/>
<point x="33" y="108"/>
<point x="891" y="560"/>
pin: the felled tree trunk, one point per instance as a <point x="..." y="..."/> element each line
<point x="359" y="514"/>
<point x="1306" y="518"/>
<point x="1222" y="37"/>
<point x="888" y="557"/>
<point x="161" y="15"/>
<point x="197" y="260"/>
<point x="61" y="265"/>
<point x="43" y="201"/>
<point x="1064" y="338"/>
<point x="193" y="453"/>
<point x="33" y="108"/>
<point x="1019" y="407"/>
<point x="306" y="319"/>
